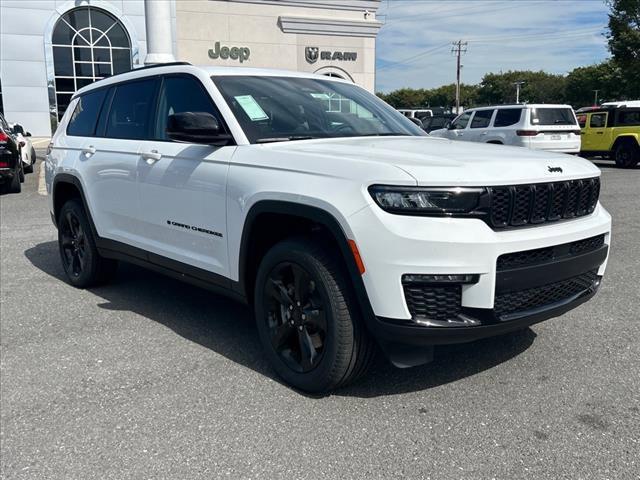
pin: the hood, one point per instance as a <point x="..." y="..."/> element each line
<point x="441" y="162"/>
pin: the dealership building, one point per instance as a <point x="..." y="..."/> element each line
<point x="51" y="48"/>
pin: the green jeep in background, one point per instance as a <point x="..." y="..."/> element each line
<point x="612" y="130"/>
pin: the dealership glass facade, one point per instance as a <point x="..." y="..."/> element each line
<point x="88" y="45"/>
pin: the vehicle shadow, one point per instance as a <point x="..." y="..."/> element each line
<point x="610" y="164"/>
<point x="227" y="328"/>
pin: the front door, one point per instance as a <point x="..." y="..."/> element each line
<point x="594" y="137"/>
<point x="182" y="186"/>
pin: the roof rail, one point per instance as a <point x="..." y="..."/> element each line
<point x="155" y="65"/>
<point x="146" y="67"/>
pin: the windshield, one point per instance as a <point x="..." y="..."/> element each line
<point x="552" y="116"/>
<point x="274" y="109"/>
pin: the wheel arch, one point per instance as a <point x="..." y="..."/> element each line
<point x="310" y="217"/>
<point x="623" y="137"/>
<point x="65" y="187"/>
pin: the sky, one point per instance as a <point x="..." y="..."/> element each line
<point x="414" y="44"/>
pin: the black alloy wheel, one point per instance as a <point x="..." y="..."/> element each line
<point x="296" y="316"/>
<point x="308" y="320"/>
<point x="73" y="244"/>
<point x="82" y="262"/>
<point x="626" y="154"/>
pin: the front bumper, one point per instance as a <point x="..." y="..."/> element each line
<point x="393" y="245"/>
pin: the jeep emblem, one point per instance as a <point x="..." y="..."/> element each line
<point x="234" y="53"/>
<point x="311" y="54"/>
<point x="554" y="169"/>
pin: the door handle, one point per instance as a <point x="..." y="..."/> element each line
<point x="599" y="133"/>
<point x="484" y="133"/>
<point x="152" y="156"/>
<point x="88" y="151"/>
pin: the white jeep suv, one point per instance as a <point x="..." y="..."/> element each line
<point x="547" y="127"/>
<point x="340" y="221"/>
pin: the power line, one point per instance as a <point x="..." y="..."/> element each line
<point x="413" y="58"/>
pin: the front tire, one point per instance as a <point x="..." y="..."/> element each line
<point x="308" y="321"/>
<point x="81" y="261"/>
<point x="29" y="168"/>
<point x="626" y="154"/>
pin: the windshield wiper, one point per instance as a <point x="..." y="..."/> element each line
<point x="285" y="139"/>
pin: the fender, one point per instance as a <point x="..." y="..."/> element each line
<point x="624" y="136"/>
<point x="316" y="215"/>
<point x="75" y="181"/>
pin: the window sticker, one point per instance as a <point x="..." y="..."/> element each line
<point x="251" y="108"/>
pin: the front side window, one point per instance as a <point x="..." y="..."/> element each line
<point x="461" y="122"/>
<point x="552" y="116"/>
<point x="181" y="94"/>
<point x="598" y="120"/>
<point x="288" y="108"/>
<point x="131" y="109"/>
<point x="83" y="120"/>
<point x="481" y="119"/>
<point x="507" y="117"/>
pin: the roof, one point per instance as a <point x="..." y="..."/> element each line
<point x="207" y="70"/>
<point x="523" y="105"/>
<point x="623" y="104"/>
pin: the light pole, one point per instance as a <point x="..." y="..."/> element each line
<point x="595" y="98"/>
<point x="518" y="84"/>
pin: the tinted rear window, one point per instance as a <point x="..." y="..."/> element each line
<point x="629" y="118"/>
<point x="507" y="117"/>
<point x="130" y="113"/>
<point x="84" y="117"/>
<point x="552" y="116"/>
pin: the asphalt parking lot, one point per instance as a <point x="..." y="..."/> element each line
<point x="151" y="378"/>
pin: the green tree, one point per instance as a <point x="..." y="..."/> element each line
<point x="538" y="87"/>
<point x="624" y="42"/>
<point x="581" y="83"/>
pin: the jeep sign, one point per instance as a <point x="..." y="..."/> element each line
<point x="234" y="53"/>
<point x="312" y="54"/>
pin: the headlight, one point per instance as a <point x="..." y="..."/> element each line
<point x="426" y="201"/>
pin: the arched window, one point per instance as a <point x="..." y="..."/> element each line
<point x="88" y="44"/>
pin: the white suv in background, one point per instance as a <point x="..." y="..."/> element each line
<point x="344" y="225"/>
<point x="542" y="127"/>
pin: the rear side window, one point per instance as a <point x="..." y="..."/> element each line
<point x="629" y="118"/>
<point x="131" y="108"/>
<point x="598" y="120"/>
<point x="552" y="116"/>
<point x="482" y="118"/>
<point x="84" y="117"/>
<point x="507" y="117"/>
<point x="181" y="94"/>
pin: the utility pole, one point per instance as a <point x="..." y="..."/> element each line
<point x="595" y="98"/>
<point x="518" y="84"/>
<point x="458" y="49"/>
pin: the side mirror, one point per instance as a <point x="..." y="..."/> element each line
<point x="417" y="121"/>
<point x="196" y="127"/>
<point x="27" y="134"/>
<point x="448" y="126"/>
<point x="17" y="129"/>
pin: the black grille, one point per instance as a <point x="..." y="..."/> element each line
<point x="518" y="205"/>
<point x="514" y="302"/>
<point x="431" y="302"/>
<point x="547" y="254"/>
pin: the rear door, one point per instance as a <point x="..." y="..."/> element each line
<point x="593" y="139"/>
<point x="182" y="186"/>
<point x="111" y="159"/>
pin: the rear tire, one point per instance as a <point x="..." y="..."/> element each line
<point x="15" y="186"/>
<point x="308" y="321"/>
<point x="626" y="154"/>
<point x="81" y="261"/>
